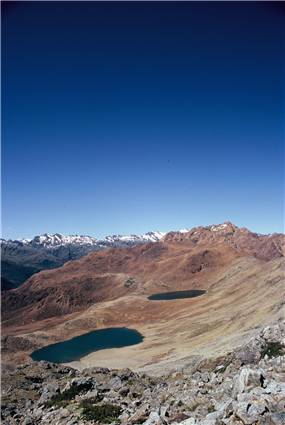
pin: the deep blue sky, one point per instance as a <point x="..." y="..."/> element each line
<point x="129" y="117"/>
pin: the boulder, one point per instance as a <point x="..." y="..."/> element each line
<point x="81" y="384"/>
<point x="48" y="391"/>
<point x="140" y="415"/>
<point x="189" y="421"/>
<point x="115" y="383"/>
<point x="276" y="419"/>
<point x="154" y="419"/>
<point x="250" y="413"/>
<point x="248" y="379"/>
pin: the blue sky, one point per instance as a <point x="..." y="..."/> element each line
<point x="130" y="117"/>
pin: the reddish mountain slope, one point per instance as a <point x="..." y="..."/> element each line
<point x="179" y="261"/>
<point x="264" y="247"/>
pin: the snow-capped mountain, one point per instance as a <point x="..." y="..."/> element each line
<point x="24" y="257"/>
<point x="54" y="241"/>
<point x="145" y="237"/>
<point x="58" y="239"/>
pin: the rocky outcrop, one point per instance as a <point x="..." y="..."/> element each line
<point x="227" y="391"/>
<point x="264" y="247"/>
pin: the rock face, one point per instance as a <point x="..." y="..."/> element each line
<point x="224" y="391"/>
<point x="265" y="247"/>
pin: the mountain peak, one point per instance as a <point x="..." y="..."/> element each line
<point x="56" y="239"/>
<point x="227" y="225"/>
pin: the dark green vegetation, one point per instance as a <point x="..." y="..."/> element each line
<point x="65" y="397"/>
<point x="106" y="413"/>
<point x="191" y="293"/>
<point x="272" y="349"/>
<point x="80" y="346"/>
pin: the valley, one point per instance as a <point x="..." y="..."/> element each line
<point x="132" y="132"/>
<point x="241" y="272"/>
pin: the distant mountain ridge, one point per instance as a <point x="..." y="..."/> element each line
<point x="58" y="239"/>
<point x="21" y="258"/>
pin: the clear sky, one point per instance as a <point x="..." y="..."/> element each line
<point x="130" y="117"/>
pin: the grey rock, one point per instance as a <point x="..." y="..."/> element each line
<point x="49" y="391"/>
<point x="210" y="421"/>
<point x="250" y="413"/>
<point x="38" y="413"/>
<point x="126" y="374"/>
<point x="115" y="383"/>
<point x="28" y="421"/>
<point x="124" y="391"/>
<point x="63" y="413"/>
<point x="189" y="421"/>
<point x="141" y="414"/>
<point x="90" y="394"/>
<point x="247" y="379"/>
<point x="153" y="419"/>
<point x="205" y="377"/>
<point x="164" y="412"/>
<point x="276" y="419"/>
<point x="241" y="412"/>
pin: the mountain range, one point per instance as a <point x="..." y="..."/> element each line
<point x="241" y="271"/>
<point x="21" y="258"/>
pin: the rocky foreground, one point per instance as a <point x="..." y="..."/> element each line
<point x="244" y="387"/>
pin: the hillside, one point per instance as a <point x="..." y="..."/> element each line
<point x="243" y="387"/>
<point x="242" y="272"/>
<point x="21" y="258"/>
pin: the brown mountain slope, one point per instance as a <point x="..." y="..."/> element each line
<point x="265" y="247"/>
<point x="110" y="288"/>
<point x="180" y="261"/>
<point x="241" y="298"/>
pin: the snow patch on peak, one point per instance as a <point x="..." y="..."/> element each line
<point x="57" y="240"/>
<point x="145" y="237"/>
<point x="153" y="236"/>
<point x="184" y="230"/>
<point x="220" y="227"/>
<point x="25" y="241"/>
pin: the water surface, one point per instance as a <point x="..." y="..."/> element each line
<point x="190" y="293"/>
<point x="80" y="346"/>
